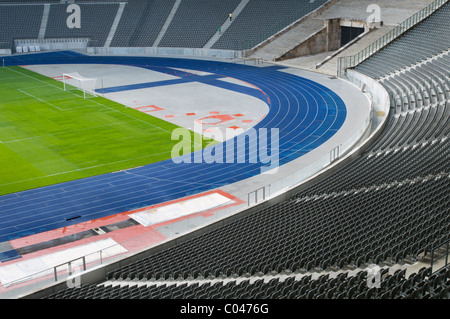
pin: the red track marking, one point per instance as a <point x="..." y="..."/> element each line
<point x="206" y="214"/>
<point x="247" y="121"/>
<point x="132" y="238"/>
<point x="220" y="119"/>
<point x="234" y="127"/>
<point x="60" y="77"/>
<point x="189" y="114"/>
<point x="252" y="85"/>
<point x="69" y="230"/>
<point x="169" y="116"/>
<point x="143" y="240"/>
<point x="238" y="115"/>
<point x="214" y="112"/>
<point x="151" y="107"/>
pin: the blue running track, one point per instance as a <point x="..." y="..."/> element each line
<point x="306" y="113"/>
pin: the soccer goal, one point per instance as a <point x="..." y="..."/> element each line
<point x="89" y="87"/>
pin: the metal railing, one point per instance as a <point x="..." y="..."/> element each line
<point x="118" y="251"/>
<point x="294" y="178"/>
<point x="347" y="62"/>
<point x="439" y="252"/>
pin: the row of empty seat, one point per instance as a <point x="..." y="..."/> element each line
<point x="193" y="24"/>
<point x="262" y="18"/>
<point x="96" y="20"/>
<point x="19" y="22"/>
<point x="418" y="44"/>
<point x="141" y="22"/>
<point x="389" y="205"/>
<point x="196" y="21"/>
<point x="23" y="21"/>
<point x="419" y="285"/>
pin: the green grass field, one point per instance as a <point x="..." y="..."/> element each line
<point x="48" y="135"/>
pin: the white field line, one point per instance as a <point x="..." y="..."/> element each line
<point x="39" y="99"/>
<point x="65" y="132"/>
<point x="95" y="102"/>
<point x="42" y="100"/>
<point x="5" y="79"/>
<point x="90" y="167"/>
<point x="82" y="169"/>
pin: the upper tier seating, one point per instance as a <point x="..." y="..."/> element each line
<point x="260" y="19"/>
<point x="418" y="44"/>
<point x="20" y="22"/>
<point x="96" y="22"/>
<point x="419" y="285"/>
<point x="141" y="22"/>
<point x="196" y="21"/>
<point x="389" y="204"/>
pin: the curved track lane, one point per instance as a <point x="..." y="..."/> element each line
<point x="306" y="114"/>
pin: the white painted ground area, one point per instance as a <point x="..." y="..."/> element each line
<point x="43" y="265"/>
<point x="184" y="104"/>
<point x="180" y="209"/>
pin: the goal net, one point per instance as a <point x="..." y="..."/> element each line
<point x="87" y="87"/>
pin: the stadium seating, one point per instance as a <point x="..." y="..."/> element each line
<point x="419" y="285"/>
<point x="388" y="205"/>
<point x="23" y="21"/>
<point x="195" y="22"/>
<point x="96" y="20"/>
<point x="418" y="44"/>
<point x="20" y="22"/>
<point x="141" y="23"/>
<point x="261" y="19"/>
<point x="192" y="26"/>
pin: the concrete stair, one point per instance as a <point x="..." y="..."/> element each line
<point x="289" y="40"/>
<point x="116" y="21"/>
<point x="330" y="66"/>
<point x="44" y="21"/>
<point x="226" y="24"/>
<point x="167" y="23"/>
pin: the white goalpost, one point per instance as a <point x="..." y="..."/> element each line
<point x="90" y="87"/>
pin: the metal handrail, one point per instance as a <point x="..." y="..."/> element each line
<point x="435" y="259"/>
<point x="347" y="62"/>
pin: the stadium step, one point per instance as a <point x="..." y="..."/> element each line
<point x="169" y="19"/>
<point x="226" y="24"/>
<point x="44" y="21"/>
<point x="112" y="32"/>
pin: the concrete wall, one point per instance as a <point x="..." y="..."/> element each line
<point x="226" y="54"/>
<point x="54" y="44"/>
<point x="312" y="14"/>
<point x="5" y="52"/>
<point x="327" y="39"/>
<point x="379" y="94"/>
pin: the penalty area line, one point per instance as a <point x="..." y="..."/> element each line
<point x="39" y="99"/>
<point x="65" y="132"/>
<point x="101" y="104"/>
<point x="86" y="168"/>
